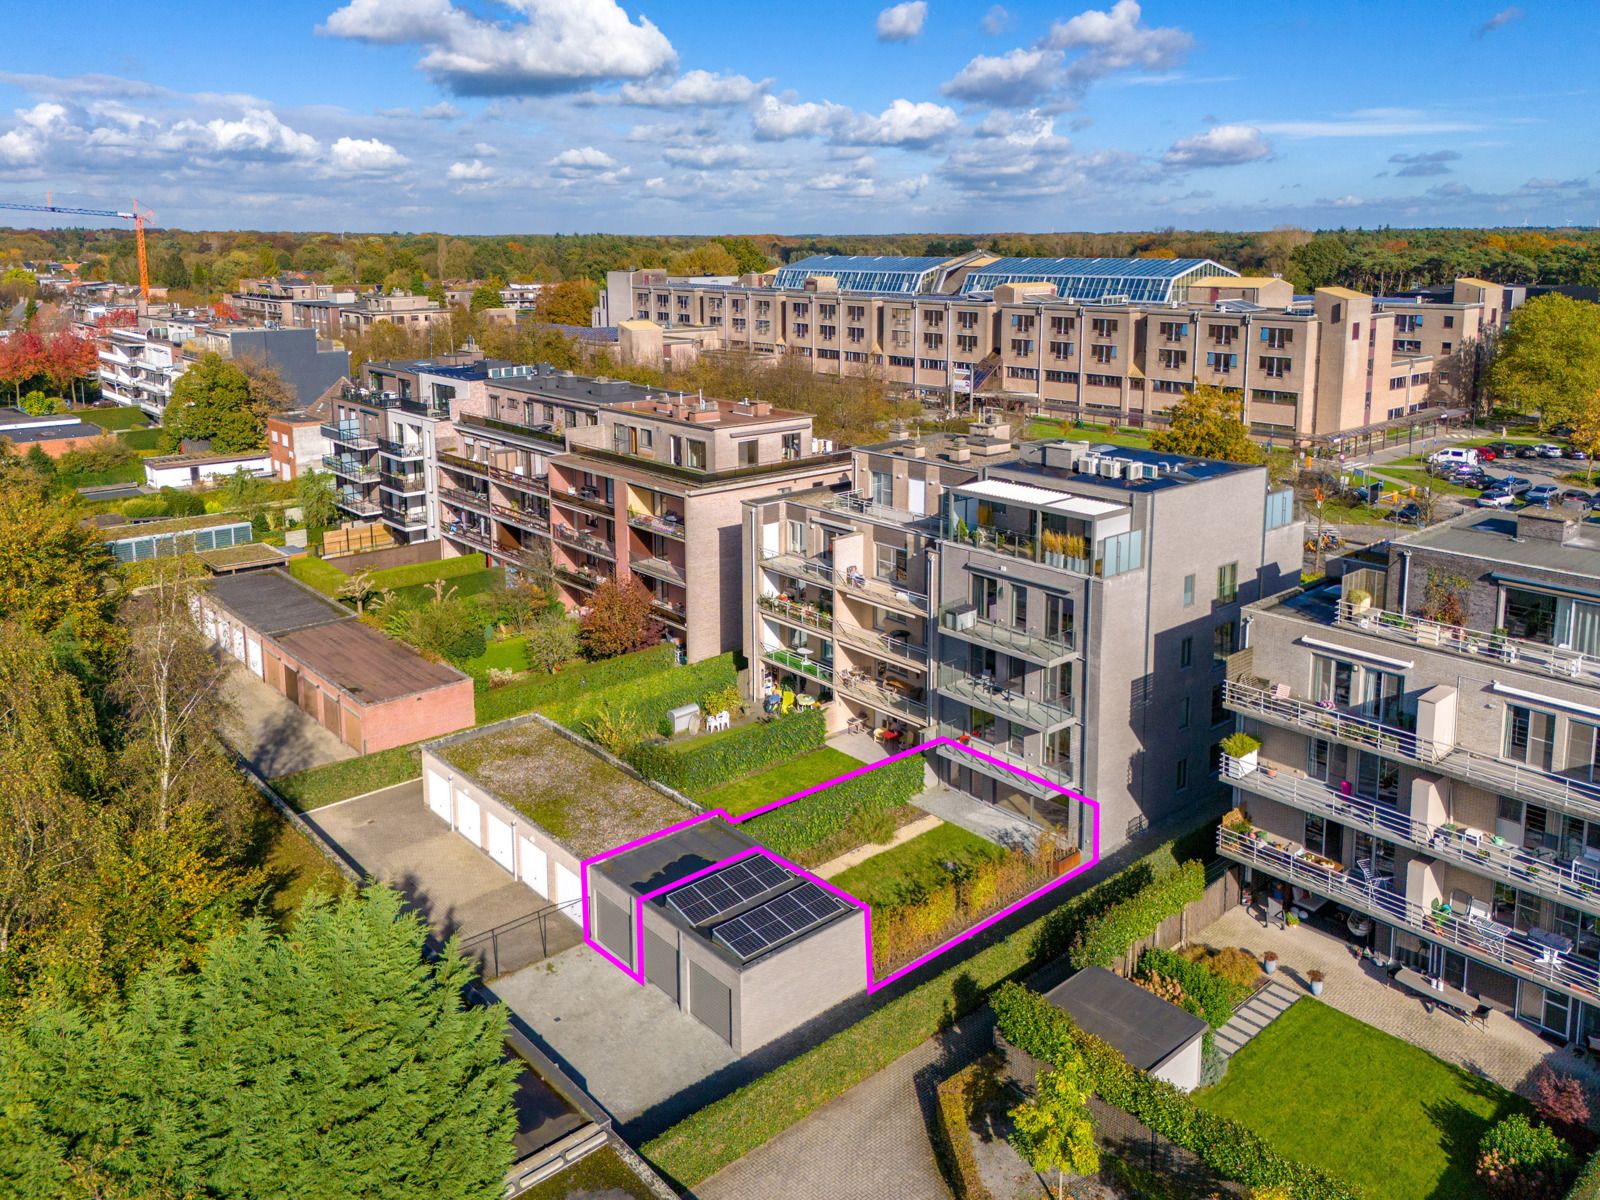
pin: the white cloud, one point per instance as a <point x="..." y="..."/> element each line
<point x="19" y="148"/>
<point x="996" y="21"/>
<point x="584" y="158"/>
<point x="1347" y="201"/>
<point x="364" y="154"/>
<point x="559" y="45"/>
<point x="1219" y="146"/>
<point x="1015" y="77"/>
<point x="904" y="123"/>
<point x="775" y="120"/>
<point x="902" y="22"/>
<point x="257" y="133"/>
<point x="469" y="172"/>
<point x="694" y="89"/>
<point x="1370" y="122"/>
<point x="1028" y="128"/>
<point x="706" y="157"/>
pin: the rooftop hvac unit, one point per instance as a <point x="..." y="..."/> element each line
<point x="1088" y="464"/>
<point x="964" y="617"/>
<point x="1111" y="468"/>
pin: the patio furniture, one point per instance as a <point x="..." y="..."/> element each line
<point x="1280" y="691"/>
<point x="804" y="700"/>
<point x="1455" y="1001"/>
<point x="1550" y="940"/>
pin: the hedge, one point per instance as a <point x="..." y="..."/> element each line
<point x="727" y="1129"/>
<point x="1203" y="994"/>
<point x="1587" y="1185"/>
<point x="536" y="691"/>
<point x="649" y="698"/>
<point x="952" y="1133"/>
<point x="411" y="574"/>
<point x="701" y="764"/>
<point x="796" y="827"/>
<point x="1108" y="937"/>
<point x="305" y="790"/>
<point x="1035" y="1026"/>
<point x="318" y="573"/>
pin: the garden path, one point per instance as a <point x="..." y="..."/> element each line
<point x="860" y="854"/>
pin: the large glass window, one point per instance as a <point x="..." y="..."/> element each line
<point x="1356" y="688"/>
<point x="1529" y="736"/>
<point x="1530" y="615"/>
<point x="889" y="562"/>
<point x="1019" y="606"/>
<point x="1323" y="837"/>
<point x="1057" y="617"/>
<point x="883" y="488"/>
<point x="986" y="596"/>
<point x="1228" y="582"/>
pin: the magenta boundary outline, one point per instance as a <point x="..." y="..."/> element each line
<point x="873" y="984"/>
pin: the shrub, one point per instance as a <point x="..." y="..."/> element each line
<point x="1563" y="1101"/>
<point x="1237" y="745"/>
<point x="305" y="790"/>
<point x="412" y="574"/>
<point x="723" y="699"/>
<point x="616" y="730"/>
<point x="1519" y="1160"/>
<point x="1199" y="991"/>
<point x="803" y="824"/>
<point x="1587" y="1185"/>
<point x="702" y="764"/>
<point x="1235" y="967"/>
<point x="618" y="619"/>
<point x="1037" y="1027"/>
<point x="451" y="630"/>
<point x="552" y="642"/>
<point x="545" y="692"/>
<point x="727" y="1129"/>
<point x="1114" y="931"/>
<point x="958" y="1096"/>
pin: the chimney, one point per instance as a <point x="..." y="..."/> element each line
<point x="1543" y="525"/>
<point x="959" y="450"/>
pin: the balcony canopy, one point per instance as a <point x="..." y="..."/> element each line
<point x="1006" y="492"/>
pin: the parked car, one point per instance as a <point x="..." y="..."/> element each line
<point x="1543" y="493"/>
<point x="1495" y="498"/>
<point x="1515" y="484"/>
<point x="1472" y="477"/>
<point x="1548" y="450"/>
<point x="1576" y="496"/>
<point x="1409" y="514"/>
<point x="1562" y="430"/>
<point x="1453" y="455"/>
<point x="1576" y="455"/>
<point x="1527" y="452"/>
<point x="1487" y="453"/>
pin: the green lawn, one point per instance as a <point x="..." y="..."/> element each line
<point x="914" y="867"/>
<point x="775" y="783"/>
<point x="1398" y="1123"/>
<point x="598" y="1176"/>
<point x="1419" y="478"/>
<point x="509" y="655"/>
<point x="112" y="418"/>
<point x="1124" y="436"/>
<point x="306" y="790"/>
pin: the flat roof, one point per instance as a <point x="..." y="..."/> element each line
<point x="1492" y="537"/>
<point x="370" y="666"/>
<point x="1056" y="501"/>
<point x="25" y="434"/>
<point x="1141" y="1026"/>
<point x="120" y="530"/>
<point x="667" y="859"/>
<point x="273" y="603"/>
<point x="174" y="460"/>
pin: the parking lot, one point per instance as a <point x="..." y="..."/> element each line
<point x="1514" y="480"/>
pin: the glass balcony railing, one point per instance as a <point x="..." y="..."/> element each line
<point x="896" y="646"/>
<point x="799" y="664"/>
<point x="583" y="540"/>
<point x="658" y="568"/>
<point x="349" y="435"/>
<point x="1005" y="699"/>
<point x="350" y="468"/>
<point x="1058" y="772"/>
<point x="1487" y="648"/>
<point x="966" y="622"/>
<point x="882" y="694"/>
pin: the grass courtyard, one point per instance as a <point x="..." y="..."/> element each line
<point x="1391" y="1119"/>
<point x="742" y="795"/>
<point x="916" y="867"/>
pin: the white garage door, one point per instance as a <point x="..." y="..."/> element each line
<point x="501" y="847"/>
<point x="567" y="887"/>
<point x="535" y="867"/>
<point x="238" y="643"/>
<point x="439" y="796"/>
<point x="252" y="652"/>
<point x="468" y="823"/>
<point x="211" y="624"/>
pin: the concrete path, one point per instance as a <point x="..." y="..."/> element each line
<point x="1254" y="1015"/>
<point x="861" y="853"/>
<point x="272" y="735"/>
<point x="986" y="820"/>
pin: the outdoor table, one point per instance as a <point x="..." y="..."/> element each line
<point x="1550" y="939"/>
<point x="1457" y="1001"/>
<point x="805" y="700"/>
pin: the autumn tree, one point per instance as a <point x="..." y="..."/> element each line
<point x="748" y="258"/>
<point x="1548" y="360"/>
<point x="316" y="495"/>
<point x="618" y="619"/>
<point x="268" y="391"/>
<point x="22" y="358"/>
<point x="56" y="574"/>
<point x="1585" y="434"/>
<point x="566" y="303"/>
<point x="1206" y="424"/>
<point x="707" y="258"/>
<point x="552" y="642"/>
<point x="1053" y="1129"/>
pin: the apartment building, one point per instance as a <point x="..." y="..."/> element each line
<point x="1106" y="339"/>
<point x="271" y="301"/>
<point x="1429" y="768"/>
<point x="296" y="441"/>
<point x="139" y="366"/>
<point x="1025" y="600"/>
<point x="332" y="312"/>
<point x="387" y="433"/>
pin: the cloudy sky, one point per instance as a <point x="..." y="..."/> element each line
<point x="699" y="116"/>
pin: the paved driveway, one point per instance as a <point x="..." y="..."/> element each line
<point x="391" y="836"/>
<point x="272" y="735"/>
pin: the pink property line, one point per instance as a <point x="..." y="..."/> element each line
<point x="873" y="983"/>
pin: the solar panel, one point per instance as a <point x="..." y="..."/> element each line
<point x="795" y="912"/>
<point x="725" y="890"/>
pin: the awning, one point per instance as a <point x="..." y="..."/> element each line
<point x="1543" y="586"/>
<point x="1398" y="664"/>
<point x="1545" y="701"/>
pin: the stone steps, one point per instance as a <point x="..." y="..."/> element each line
<point x="1265" y="1007"/>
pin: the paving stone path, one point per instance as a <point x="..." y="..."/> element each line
<point x="1254" y="1015"/>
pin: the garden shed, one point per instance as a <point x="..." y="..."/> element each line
<point x="1153" y="1034"/>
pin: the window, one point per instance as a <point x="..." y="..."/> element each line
<point x="1184" y="706"/>
<point x="1103" y="327"/>
<point x="791" y="446"/>
<point x="1061" y="377"/>
<point x="1219" y="361"/>
<point x="1180" y="779"/>
<point x="1323" y="836"/>
<point x="1186" y="653"/>
<point x="966" y="343"/>
<point x="883" y="488"/>
<point x="1355" y="331"/>
<point x="1274" y="368"/>
<point x="1103" y="354"/>
<point x="749" y="452"/>
<point x="1171" y="359"/>
<point x="1188" y="590"/>
<point x="1021" y="346"/>
<point x="1062" y="325"/>
<point x="1174" y="331"/>
<point x="1277" y="339"/>
<point x="1219" y="714"/>
<point x="1228" y="582"/>
<point x="1529" y="736"/>
<point x="889" y="562"/>
<point x="1060" y="349"/>
<point x="694" y="454"/>
<point x="1449" y="321"/>
<point x="1019" y="606"/>
<point x="1223" y="335"/>
<point x="1223" y="640"/>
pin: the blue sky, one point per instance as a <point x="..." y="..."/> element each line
<point x="478" y="116"/>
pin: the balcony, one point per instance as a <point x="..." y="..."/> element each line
<point x="669" y="610"/>
<point x="1058" y="774"/>
<point x="1005" y="700"/>
<point x="522" y="518"/>
<point x="402" y="517"/>
<point x="1486" y="648"/>
<point x="800" y="566"/>
<point x="585" y="577"/>
<point x="658" y="568"/>
<point x="582" y="540"/>
<point x="798" y="664"/>
<point x="587" y="498"/>
<point x="650" y="523"/>
<point x="879" y="694"/>
<point x="1486" y="941"/>
<point x="543" y="434"/>
<point x="350" y="468"/>
<point x="889" y="647"/>
<point x="884" y="592"/>
<point x="1575" y="883"/>
<point x="1482" y="770"/>
<point x="356" y="504"/>
<point x="406" y="451"/>
<point x="404" y="483"/>
<point x="797" y="612"/>
<point x="477" y="502"/>
<point x="350" y="436"/>
<point x="965" y="622"/>
<point x="537" y="484"/>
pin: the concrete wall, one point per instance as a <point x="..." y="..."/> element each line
<point x="293" y="353"/>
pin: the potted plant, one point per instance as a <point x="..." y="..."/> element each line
<point x="1359" y="599"/>
<point x="1241" y="750"/>
<point x="1269" y="962"/>
<point x="1315" y="978"/>
<point x="1290" y="921"/>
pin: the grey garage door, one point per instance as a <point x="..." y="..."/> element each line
<point x="661" y="963"/>
<point x="611" y="923"/>
<point x="711" y="1002"/>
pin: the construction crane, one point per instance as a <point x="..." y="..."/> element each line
<point x="138" y="218"/>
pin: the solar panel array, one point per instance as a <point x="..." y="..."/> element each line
<point x="1139" y="279"/>
<point x="862" y="272"/>
<point x="725" y="890"/>
<point x="783" y="917"/>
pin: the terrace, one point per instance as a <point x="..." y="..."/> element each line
<point x="1005" y="698"/>
<point x="1047" y="650"/>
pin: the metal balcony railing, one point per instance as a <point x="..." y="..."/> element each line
<point x="1487" y="648"/>
<point x="1483" y="939"/>
<point x="799" y="664"/>
<point x="357" y="504"/>
<point x="966" y="623"/>
<point x="1484" y="770"/>
<point x="405" y="518"/>
<point x="658" y="568"/>
<point x="797" y="612"/>
<point x="350" y="468"/>
<point x="1005" y="699"/>
<point x="864" y="687"/>
<point x="401" y="450"/>
<point x="1060" y="772"/>
<point x="350" y="435"/>
<point x="584" y="541"/>
<point x="1575" y="881"/>
<point x="654" y="524"/>
<point x="477" y="502"/>
<point x="884" y="646"/>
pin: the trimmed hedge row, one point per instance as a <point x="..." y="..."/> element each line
<point x="570" y="682"/>
<point x="726" y="1130"/>
<point x="798" y="826"/>
<point x="1587" y="1185"/>
<point x="702" y="764"/>
<point x="1109" y="936"/>
<point x="1037" y="1027"/>
<point x="952" y="1135"/>
<point x="332" y="782"/>
<point x="1203" y="994"/>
